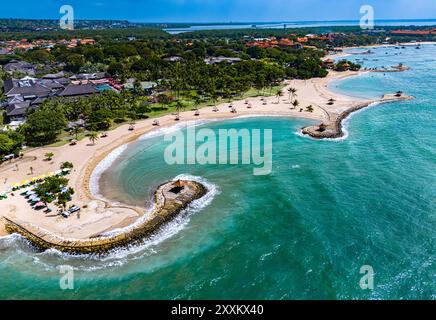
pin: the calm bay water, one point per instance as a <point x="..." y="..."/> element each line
<point x="299" y="24"/>
<point x="302" y="232"/>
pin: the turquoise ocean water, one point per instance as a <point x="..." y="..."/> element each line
<point x="302" y="232"/>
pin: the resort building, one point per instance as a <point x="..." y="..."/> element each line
<point x="78" y="90"/>
<point x="20" y="66"/>
<point x="414" y="32"/>
<point x="27" y="93"/>
<point x="221" y="59"/>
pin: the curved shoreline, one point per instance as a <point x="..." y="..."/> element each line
<point x="100" y="215"/>
<point x="170" y="199"/>
<point x="333" y="128"/>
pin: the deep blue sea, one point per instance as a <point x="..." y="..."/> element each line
<point x="303" y="232"/>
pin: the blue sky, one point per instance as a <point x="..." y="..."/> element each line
<point x="220" y="10"/>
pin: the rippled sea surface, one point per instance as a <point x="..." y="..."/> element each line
<point x="302" y="232"/>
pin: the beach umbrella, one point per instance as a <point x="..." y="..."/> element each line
<point x="58" y="172"/>
<point x="30" y="192"/>
<point x="66" y="170"/>
<point x="39" y="205"/>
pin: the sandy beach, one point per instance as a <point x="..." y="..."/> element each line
<point x="97" y="215"/>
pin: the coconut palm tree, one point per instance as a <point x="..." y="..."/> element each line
<point x="76" y="130"/>
<point x="279" y="94"/>
<point x="93" y="136"/>
<point x="179" y="106"/>
<point x="197" y="101"/>
<point x="292" y="93"/>
<point x="309" y="108"/>
<point x="295" y="103"/>
<point x="49" y="156"/>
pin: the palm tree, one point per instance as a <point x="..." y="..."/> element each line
<point x="76" y="131"/>
<point x="93" y="136"/>
<point x="197" y="101"/>
<point x="292" y="93"/>
<point x="309" y="108"/>
<point x="295" y="103"/>
<point x="133" y="118"/>
<point x="279" y="95"/>
<point x="179" y="106"/>
<point x="49" y="156"/>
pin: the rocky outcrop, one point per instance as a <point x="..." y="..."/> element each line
<point x="333" y="129"/>
<point x="170" y="199"/>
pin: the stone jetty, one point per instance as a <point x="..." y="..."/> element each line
<point x="170" y="199"/>
<point x="333" y="128"/>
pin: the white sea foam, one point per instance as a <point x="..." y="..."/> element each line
<point x="195" y="206"/>
<point x="345" y="125"/>
<point x="121" y="256"/>
<point x="346" y="122"/>
<point x="103" y="166"/>
<point x="176" y="127"/>
<point x="7" y="240"/>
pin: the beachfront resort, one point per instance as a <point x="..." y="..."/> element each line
<point x="83" y="180"/>
<point x="63" y="114"/>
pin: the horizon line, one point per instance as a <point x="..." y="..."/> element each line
<point x="217" y="22"/>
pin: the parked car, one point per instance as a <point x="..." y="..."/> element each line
<point x="65" y="214"/>
<point x="74" y="209"/>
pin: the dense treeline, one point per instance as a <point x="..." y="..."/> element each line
<point x="104" y="34"/>
<point x="187" y="81"/>
<point x="148" y="60"/>
<point x="352" y="35"/>
<point x="179" y="66"/>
